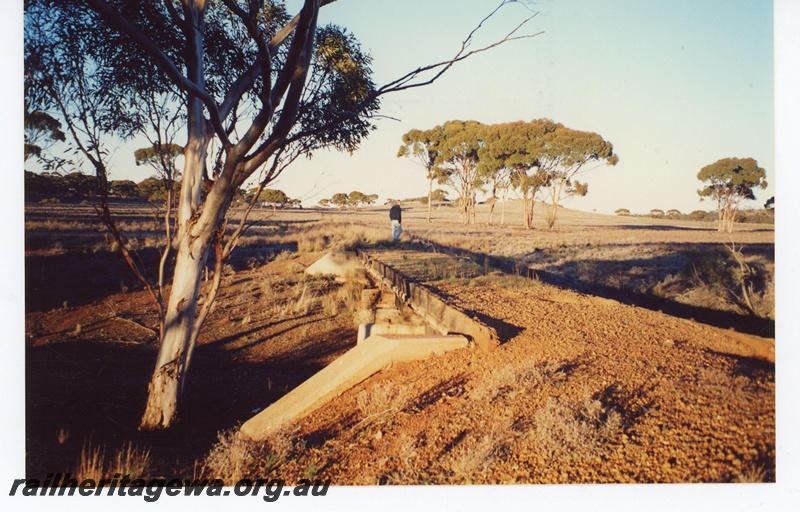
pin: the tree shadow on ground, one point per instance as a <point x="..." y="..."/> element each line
<point x="83" y="391"/>
<point x="556" y="275"/>
<point x="754" y="368"/>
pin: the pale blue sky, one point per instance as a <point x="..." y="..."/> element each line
<point x="673" y="85"/>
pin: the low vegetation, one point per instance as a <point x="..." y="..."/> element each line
<point x="682" y="265"/>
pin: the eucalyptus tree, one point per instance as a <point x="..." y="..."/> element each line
<point x="496" y="175"/>
<point x="162" y="157"/>
<point x="458" y="155"/>
<point x="565" y="155"/>
<point x="258" y="88"/>
<point x="274" y="198"/>
<point x="41" y="131"/>
<point x="421" y="147"/>
<point x="356" y="199"/>
<point x="339" y="199"/>
<point x="515" y="148"/>
<point x="729" y="181"/>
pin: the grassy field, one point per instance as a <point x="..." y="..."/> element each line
<point x="682" y="262"/>
<point x="91" y="334"/>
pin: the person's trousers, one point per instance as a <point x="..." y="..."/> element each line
<point x="397" y="230"/>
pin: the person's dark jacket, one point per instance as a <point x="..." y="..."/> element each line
<point x="394" y="213"/>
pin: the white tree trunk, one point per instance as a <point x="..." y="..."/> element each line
<point x="180" y="323"/>
<point x="430" y="196"/>
<point x="165" y="386"/>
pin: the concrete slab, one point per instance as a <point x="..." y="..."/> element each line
<point x="340" y="264"/>
<point x="370" y="329"/>
<point x="385" y="315"/>
<point x="435" y="311"/>
<point x="359" y="363"/>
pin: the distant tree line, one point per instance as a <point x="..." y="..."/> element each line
<point x="765" y="216"/>
<point x="76" y="186"/>
<point x="354" y="199"/>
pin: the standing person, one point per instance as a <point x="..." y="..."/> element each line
<point x="395" y="214"/>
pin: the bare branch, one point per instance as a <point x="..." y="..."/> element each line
<point x="403" y="82"/>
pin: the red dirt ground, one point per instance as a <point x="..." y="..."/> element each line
<point x="582" y="389"/>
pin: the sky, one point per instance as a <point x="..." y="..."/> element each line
<point x="673" y="85"/>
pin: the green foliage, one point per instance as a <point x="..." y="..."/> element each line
<point x="735" y="176"/>
<point x="713" y="269"/>
<point x="534" y="156"/>
<point x="155" y="189"/>
<point x="656" y="213"/>
<point x="439" y="196"/>
<point x="624" y="212"/>
<point x="423" y="147"/>
<point x="44" y="186"/>
<point x="159" y="156"/>
<point x="74" y="185"/>
<point x="726" y="274"/>
<point x="729" y="181"/>
<point x="274" y="198"/>
<point x="339" y="199"/>
<point x="458" y="154"/>
<point x="124" y="189"/>
<point x="41" y="129"/>
<point x="356" y="198"/>
<point x="340" y="85"/>
<point x="700" y="215"/>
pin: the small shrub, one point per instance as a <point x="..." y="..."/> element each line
<point x="386" y="397"/>
<point x="233" y="457"/>
<point x="710" y="269"/>
<point x="284" y="256"/>
<point x="575" y="430"/>
<point x="471" y="460"/>
<point x="306" y="299"/>
<point x="751" y="475"/>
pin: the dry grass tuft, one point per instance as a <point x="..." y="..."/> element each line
<point x="471" y="460"/>
<point x="128" y="460"/>
<point x="572" y="430"/>
<point x="234" y="457"/>
<point x="509" y="381"/>
<point x="406" y="472"/>
<point x="306" y="299"/>
<point x="474" y="457"/>
<point x="751" y="475"/>
<point x="384" y="398"/>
